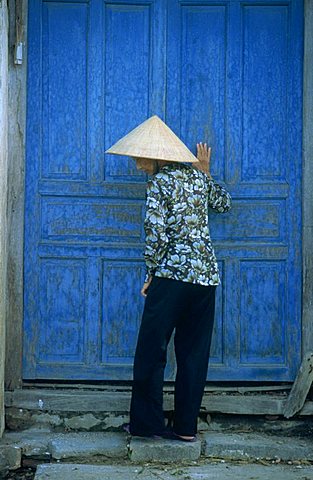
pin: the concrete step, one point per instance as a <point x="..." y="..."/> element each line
<point x="96" y="447"/>
<point x="160" y="450"/>
<point x="238" y="446"/>
<point x="150" y="472"/>
<point x="88" y="445"/>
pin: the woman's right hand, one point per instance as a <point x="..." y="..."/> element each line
<point x="145" y="287"/>
<point x="204" y="157"/>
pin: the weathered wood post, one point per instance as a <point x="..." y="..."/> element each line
<point x="301" y="387"/>
<point x="3" y="190"/>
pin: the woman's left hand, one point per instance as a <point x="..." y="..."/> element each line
<point x="146" y="286"/>
<point x="204" y="157"/>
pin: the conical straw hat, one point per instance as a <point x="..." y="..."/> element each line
<point x="153" y="139"/>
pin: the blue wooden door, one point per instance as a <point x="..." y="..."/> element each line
<point x="228" y="73"/>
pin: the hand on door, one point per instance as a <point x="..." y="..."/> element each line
<point x="204" y="156"/>
<point x="145" y="287"/>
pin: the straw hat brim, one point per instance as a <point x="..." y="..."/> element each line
<point x="154" y="140"/>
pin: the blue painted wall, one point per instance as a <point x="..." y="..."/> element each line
<point x="227" y="72"/>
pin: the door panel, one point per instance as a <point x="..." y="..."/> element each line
<point x="227" y="73"/>
<point x="230" y="77"/>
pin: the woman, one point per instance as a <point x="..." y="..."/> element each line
<point x="180" y="283"/>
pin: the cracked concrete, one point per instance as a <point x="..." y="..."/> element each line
<point x="201" y="472"/>
<point x="41" y="444"/>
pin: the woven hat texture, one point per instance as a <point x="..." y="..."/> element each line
<point x="155" y="140"/>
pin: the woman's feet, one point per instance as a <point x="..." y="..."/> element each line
<point x="184" y="438"/>
<point x="169" y="434"/>
<point x="126" y="428"/>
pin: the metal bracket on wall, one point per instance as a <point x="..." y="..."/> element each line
<point x="19" y="33"/>
<point x="300" y="388"/>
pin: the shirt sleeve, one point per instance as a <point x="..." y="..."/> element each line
<point x="155" y="227"/>
<point x="219" y="199"/>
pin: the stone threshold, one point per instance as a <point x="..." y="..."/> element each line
<point x="74" y="400"/>
<point x="241" y="387"/>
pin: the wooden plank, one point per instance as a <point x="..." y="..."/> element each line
<point x="79" y="401"/>
<point x="300" y="387"/>
<point x="167" y="387"/>
<point x="242" y="405"/>
<point x="16" y="201"/>
<point x="70" y="402"/>
<point x="307" y="175"/>
<point x="118" y="401"/>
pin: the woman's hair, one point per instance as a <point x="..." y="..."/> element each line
<point x="159" y="163"/>
<point x="156" y="166"/>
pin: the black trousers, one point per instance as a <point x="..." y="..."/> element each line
<point x="189" y="308"/>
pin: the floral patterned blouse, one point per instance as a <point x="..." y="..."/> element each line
<point x="178" y="243"/>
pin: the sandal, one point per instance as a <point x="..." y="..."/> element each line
<point x="126" y="428"/>
<point x="174" y="436"/>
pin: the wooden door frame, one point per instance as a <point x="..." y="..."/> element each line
<point x="16" y="194"/>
